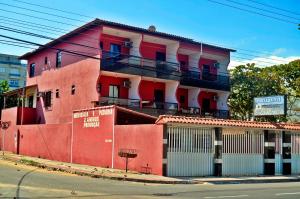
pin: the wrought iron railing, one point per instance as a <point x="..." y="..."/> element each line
<point x="104" y="101"/>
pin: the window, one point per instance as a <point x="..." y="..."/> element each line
<point x="113" y="91"/>
<point x="13" y="83"/>
<point x="115" y="49"/>
<point x="2" y="70"/>
<point x="57" y="93"/>
<point x="46" y="60"/>
<point x="160" y="56"/>
<point x="47" y="99"/>
<point x="206" y="69"/>
<point x="31" y="70"/>
<point x="73" y="90"/>
<point x="14" y="72"/>
<point x="58" y="59"/>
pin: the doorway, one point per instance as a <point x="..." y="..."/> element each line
<point x="205" y="105"/>
<point x="159" y="99"/>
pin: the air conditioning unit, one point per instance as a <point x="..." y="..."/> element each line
<point x="128" y="44"/>
<point x="215" y="98"/>
<point x="217" y="65"/>
<point x="127" y="84"/>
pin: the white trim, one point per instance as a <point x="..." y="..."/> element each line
<point x="269" y="160"/>
<point x="269" y="144"/>
<point x="218" y="142"/>
<point x="165" y="161"/>
<point x="220" y="161"/>
<point x="286" y="144"/>
<point x="165" y="141"/>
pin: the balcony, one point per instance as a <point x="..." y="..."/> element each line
<point x="205" y="80"/>
<point x="221" y="114"/>
<point x="134" y="65"/>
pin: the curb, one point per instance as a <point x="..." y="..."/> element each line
<point x="254" y="181"/>
<point x="87" y="173"/>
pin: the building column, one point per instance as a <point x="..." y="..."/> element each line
<point x="286" y="153"/>
<point x="269" y="152"/>
<point x="170" y="93"/>
<point x="218" y="152"/>
<point x="193" y="94"/>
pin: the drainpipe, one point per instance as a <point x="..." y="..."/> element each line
<point x="72" y="136"/>
<point x="22" y="107"/>
<point x="113" y="139"/>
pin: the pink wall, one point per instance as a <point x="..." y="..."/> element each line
<point x="146" y="89"/>
<point x="148" y="50"/>
<point x="106" y="81"/>
<point x="79" y="71"/>
<point x="147" y="140"/>
<point x="93" y="145"/>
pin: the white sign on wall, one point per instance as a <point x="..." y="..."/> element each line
<point x="272" y="105"/>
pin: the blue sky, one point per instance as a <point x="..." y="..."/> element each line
<point x="201" y="20"/>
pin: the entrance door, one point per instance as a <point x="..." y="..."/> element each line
<point x="205" y="105"/>
<point x="159" y="98"/>
<point x="115" y="50"/>
<point x="30" y="101"/>
<point x="206" y="72"/>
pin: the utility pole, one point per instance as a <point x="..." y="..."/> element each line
<point x="298" y="26"/>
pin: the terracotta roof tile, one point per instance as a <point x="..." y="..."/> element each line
<point x="165" y="119"/>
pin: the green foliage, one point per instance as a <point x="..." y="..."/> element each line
<point x="249" y="81"/>
<point x="3" y="88"/>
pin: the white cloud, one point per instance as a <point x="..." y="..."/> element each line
<point x="264" y="61"/>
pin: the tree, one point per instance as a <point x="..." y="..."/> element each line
<point x="4" y="87"/>
<point x="247" y="82"/>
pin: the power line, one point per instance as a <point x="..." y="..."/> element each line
<point x="63" y="11"/>
<point x="41" y="12"/>
<point x="281" y="9"/>
<point x="214" y="44"/>
<point x="54" y="48"/>
<point x="253" y="12"/>
<point x="261" y="9"/>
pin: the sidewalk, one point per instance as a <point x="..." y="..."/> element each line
<point x="115" y="174"/>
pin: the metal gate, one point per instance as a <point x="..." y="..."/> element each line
<point x="190" y="151"/>
<point x="242" y="152"/>
<point x="295" y="153"/>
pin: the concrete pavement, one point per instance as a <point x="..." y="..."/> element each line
<point x="116" y="174"/>
<point x="23" y="181"/>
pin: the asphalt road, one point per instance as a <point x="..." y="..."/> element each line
<point x="29" y="182"/>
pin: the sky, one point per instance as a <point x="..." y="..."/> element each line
<point x="257" y="39"/>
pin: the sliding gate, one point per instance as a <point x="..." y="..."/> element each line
<point x="295" y="150"/>
<point x="190" y="151"/>
<point x="242" y="152"/>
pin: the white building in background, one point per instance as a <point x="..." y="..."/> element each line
<point x="13" y="71"/>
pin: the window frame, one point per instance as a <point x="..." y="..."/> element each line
<point x="113" y="94"/>
<point x="58" y="59"/>
<point x="32" y="70"/>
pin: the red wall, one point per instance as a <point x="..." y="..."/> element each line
<point x="183" y="92"/>
<point x="147" y="140"/>
<point x="108" y="80"/>
<point x="184" y="58"/>
<point x="146" y="89"/>
<point x="208" y="95"/>
<point x="29" y="115"/>
<point x="148" y="50"/>
<point x="210" y="62"/>
<point x="110" y="39"/>
<point x="93" y="145"/>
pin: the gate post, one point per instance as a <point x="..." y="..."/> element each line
<point x="269" y="152"/>
<point x="286" y="153"/>
<point x="218" y="152"/>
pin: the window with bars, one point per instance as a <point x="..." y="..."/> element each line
<point x="47" y="99"/>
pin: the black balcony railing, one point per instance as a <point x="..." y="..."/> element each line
<point x="105" y="101"/>
<point x="129" y="64"/>
<point x="206" y="80"/>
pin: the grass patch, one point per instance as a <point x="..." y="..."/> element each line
<point x="29" y="162"/>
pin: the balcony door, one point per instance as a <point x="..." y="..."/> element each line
<point x="159" y="99"/>
<point x="205" y="105"/>
<point x="160" y="56"/>
<point x="113" y="91"/>
<point x="115" y="50"/>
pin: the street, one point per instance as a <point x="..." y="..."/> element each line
<point x="22" y="181"/>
